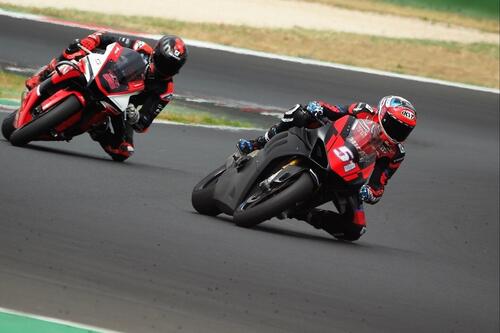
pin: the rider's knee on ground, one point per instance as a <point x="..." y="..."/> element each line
<point x="337" y="225"/>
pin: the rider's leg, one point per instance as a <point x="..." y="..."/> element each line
<point x="118" y="142"/>
<point x="347" y="226"/>
<point x="293" y="117"/>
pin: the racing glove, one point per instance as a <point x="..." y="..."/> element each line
<point x="73" y="50"/>
<point x="314" y="108"/>
<point x="369" y="195"/>
<point x="132" y="114"/>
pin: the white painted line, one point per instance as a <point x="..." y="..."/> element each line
<point x="8" y="109"/>
<point x="241" y="51"/>
<point x="218" y="127"/>
<point x="55" y="320"/>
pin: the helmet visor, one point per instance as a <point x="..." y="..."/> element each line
<point x="396" y="129"/>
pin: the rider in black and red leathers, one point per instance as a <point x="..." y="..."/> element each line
<point x="164" y="61"/>
<point x="397" y="118"/>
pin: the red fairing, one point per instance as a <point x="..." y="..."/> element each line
<point x="24" y="115"/>
<point x="105" y="78"/>
<point x="341" y="154"/>
<point x="59" y="96"/>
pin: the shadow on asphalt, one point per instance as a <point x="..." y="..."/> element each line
<point x="128" y="163"/>
<point x="327" y="239"/>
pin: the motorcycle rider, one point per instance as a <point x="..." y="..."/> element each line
<point x="164" y="60"/>
<point x="397" y="118"/>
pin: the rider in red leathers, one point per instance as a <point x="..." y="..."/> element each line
<point x="164" y="61"/>
<point x="397" y="118"/>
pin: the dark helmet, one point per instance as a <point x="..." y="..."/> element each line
<point x="169" y="55"/>
<point x="397" y="116"/>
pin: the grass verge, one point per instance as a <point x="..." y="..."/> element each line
<point x="467" y="63"/>
<point x="477" y="14"/>
<point x="12" y="85"/>
<point x="187" y="115"/>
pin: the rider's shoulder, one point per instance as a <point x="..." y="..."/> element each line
<point x="162" y="88"/>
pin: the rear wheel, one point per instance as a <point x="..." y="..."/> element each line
<point x="8" y="125"/>
<point x="263" y="205"/>
<point x="202" y="197"/>
<point x="45" y="122"/>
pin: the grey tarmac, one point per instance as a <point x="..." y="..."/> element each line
<point x="119" y="246"/>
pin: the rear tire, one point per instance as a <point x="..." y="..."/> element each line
<point x="202" y="197"/>
<point x="299" y="191"/>
<point x="8" y="125"/>
<point x="45" y="122"/>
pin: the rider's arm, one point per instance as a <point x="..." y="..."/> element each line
<point x="154" y="103"/>
<point x="134" y="44"/>
<point x="385" y="168"/>
<point x="358" y="110"/>
<point x="101" y="40"/>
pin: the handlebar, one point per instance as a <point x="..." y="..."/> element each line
<point x="83" y="48"/>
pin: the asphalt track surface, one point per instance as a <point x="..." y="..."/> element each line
<point x="118" y="245"/>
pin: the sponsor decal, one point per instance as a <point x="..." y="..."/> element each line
<point x="408" y="114"/>
<point x="112" y="80"/>
<point x="138" y="45"/>
<point x="349" y="167"/>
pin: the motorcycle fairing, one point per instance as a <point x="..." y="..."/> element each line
<point x="104" y="68"/>
<point x="235" y="183"/>
<point x="344" y="155"/>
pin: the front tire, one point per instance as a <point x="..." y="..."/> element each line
<point x="45" y="121"/>
<point x="8" y="125"/>
<point x="251" y="215"/>
<point x="202" y="197"/>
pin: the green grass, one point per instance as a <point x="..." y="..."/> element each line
<point x="481" y="14"/>
<point x="186" y="115"/>
<point x="478" y="8"/>
<point x="12" y="85"/>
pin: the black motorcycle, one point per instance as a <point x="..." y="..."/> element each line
<point x="296" y="170"/>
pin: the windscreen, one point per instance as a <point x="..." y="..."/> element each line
<point x="365" y="138"/>
<point x="115" y="76"/>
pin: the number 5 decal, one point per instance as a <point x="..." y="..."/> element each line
<point x="343" y="153"/>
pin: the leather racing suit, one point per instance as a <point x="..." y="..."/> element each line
<point x="116" y="135"/>
<point x="351" y="224"/>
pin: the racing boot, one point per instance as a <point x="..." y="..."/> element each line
<point x="119" y="145"/>
<point x="120" y="153"/>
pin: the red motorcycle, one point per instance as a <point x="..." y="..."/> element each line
<point x="87" y="92"/>
<point x="296" y="170"/>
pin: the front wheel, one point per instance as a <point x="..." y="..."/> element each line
<point x="8" y="125"/>
<point x="202" y="197"/>
<point x="260" y="206"/>
<point x="45" y="122"/>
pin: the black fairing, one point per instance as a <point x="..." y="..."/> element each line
<point x="235" y="183"/>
